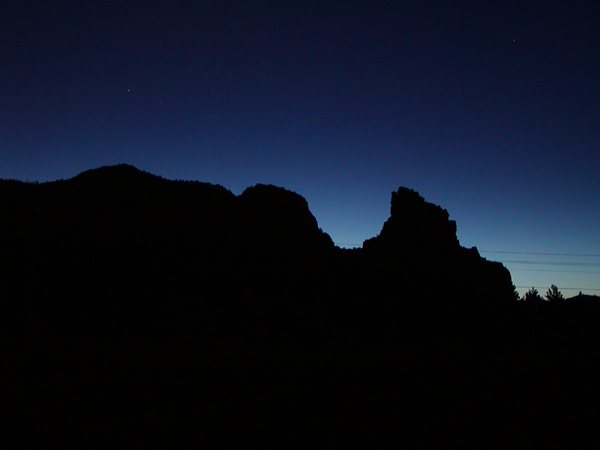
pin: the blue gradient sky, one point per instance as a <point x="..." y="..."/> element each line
<point x="489" y="109"/>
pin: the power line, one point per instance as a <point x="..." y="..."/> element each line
<point x="554" y="263"/>
<point x="562" y="288"/>
<point x="559" y="271"/>
<point x="587" y="255"/>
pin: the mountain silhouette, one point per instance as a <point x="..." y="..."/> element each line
<point x="418" y="245"/>
<point x="416" y="227"/>
<point x="117" y="251"/>
<point x="139" y="308"/>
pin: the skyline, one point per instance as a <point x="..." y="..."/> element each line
<point x="517" y="261"/>
<point x="491" y="111"/>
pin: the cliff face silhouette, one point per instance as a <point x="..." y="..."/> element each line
<point x="173" y="311"/>
<point x="416" y="227"/>
<point x="418" y="243"/>
<point x="116" y="251"/>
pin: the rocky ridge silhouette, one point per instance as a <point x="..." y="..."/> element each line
<point x="117" y="251"/>
<point x="418" y="243"/>
<point x="141" y="310"/>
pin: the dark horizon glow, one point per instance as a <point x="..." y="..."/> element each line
<point x="489" y="109"/>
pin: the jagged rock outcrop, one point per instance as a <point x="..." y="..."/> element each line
<point x="116" y="250"/>
<point x="275" y="217"/>
<point x="418" y="255"/>
<point x="415" y="227"/>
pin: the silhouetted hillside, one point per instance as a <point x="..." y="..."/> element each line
<point x="251" y="325"/>
<point x="418" y="247"/>
<point x="118" y="251"/>
<point x="416" y="228"/>
<point x="582" y="298"/>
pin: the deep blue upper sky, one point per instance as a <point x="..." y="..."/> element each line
<point x="489" y="109"/>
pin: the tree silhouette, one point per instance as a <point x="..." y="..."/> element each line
<point x="515" y="293"/>
<point x="532" y="295"/>
<point x="554" y="295"/>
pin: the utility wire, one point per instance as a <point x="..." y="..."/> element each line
<point x="586" y="255"/>
<point x="542" y="253"/>
<point x="559" y="271"/>
<point x="562" y="288"/>
<point x="554" y="263"/>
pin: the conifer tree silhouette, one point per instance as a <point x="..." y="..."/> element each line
<point x="554" y="295"/>
<point x="532" y="295"/>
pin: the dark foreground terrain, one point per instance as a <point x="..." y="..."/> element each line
<point x="533" y="387"/>
<point x="140" y="311"/>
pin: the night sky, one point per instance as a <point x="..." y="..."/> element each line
<point x="490" y="109"/>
